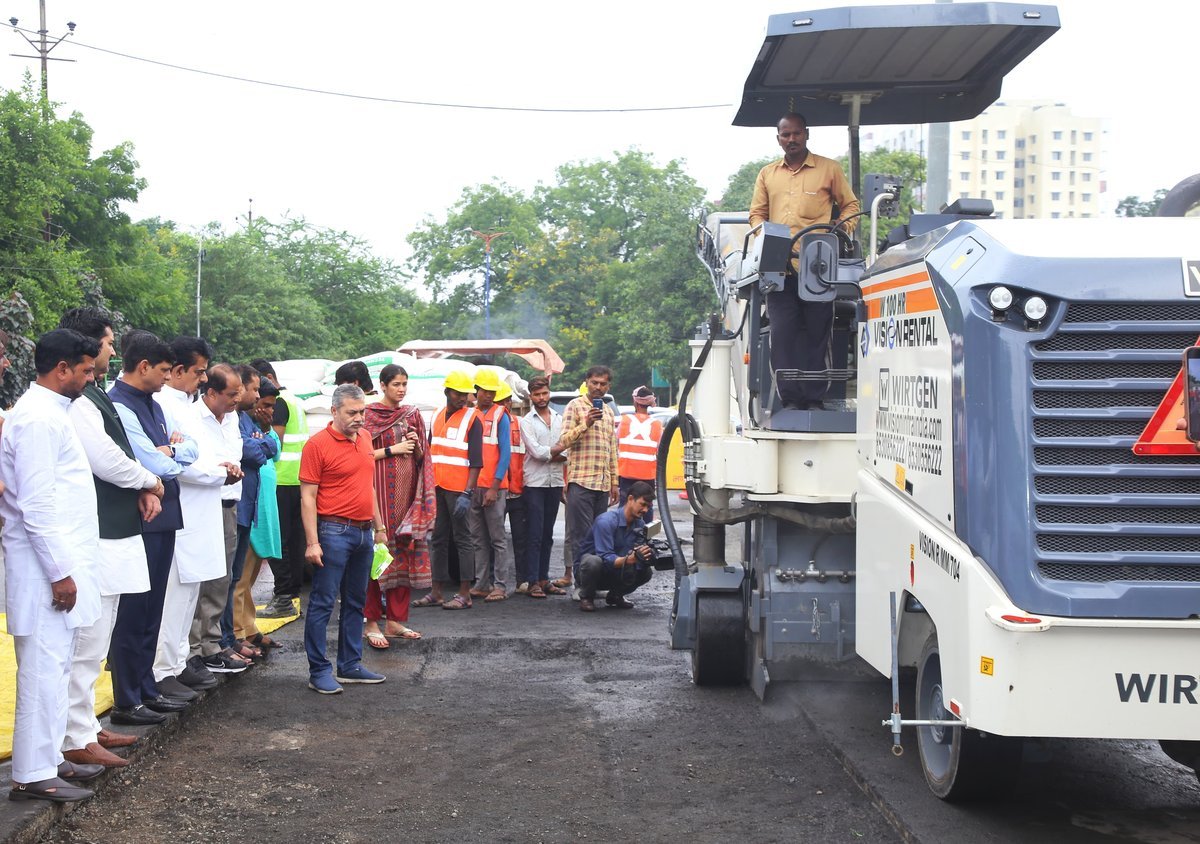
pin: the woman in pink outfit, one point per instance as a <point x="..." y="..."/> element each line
<point x="404" y="487"/>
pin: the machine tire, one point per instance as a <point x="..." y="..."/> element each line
<point x="1186" y="753"/>
<point x="1181" y="198"/>
<point x="959" y="763"/>
<point x="719" y="657"/>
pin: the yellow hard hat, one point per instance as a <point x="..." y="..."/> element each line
<point x="504" y="392"/>
<point x="486" y="379"/>
<point x="459" y="381"/>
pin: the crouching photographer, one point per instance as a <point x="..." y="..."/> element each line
<point x="616" y="555"/>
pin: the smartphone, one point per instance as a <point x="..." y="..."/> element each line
<point x="599" y="403"/>
<point x="1191" y="391"/>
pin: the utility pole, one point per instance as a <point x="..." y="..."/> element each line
<point x="487" y="238"/>
<point x="199" y="264"/>
<point x="43" y="45"/>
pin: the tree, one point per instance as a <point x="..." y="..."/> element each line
<point x="740" y="188"/>
<point x="1134" y="206"/>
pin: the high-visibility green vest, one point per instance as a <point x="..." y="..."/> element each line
<point x="295" y="435"/>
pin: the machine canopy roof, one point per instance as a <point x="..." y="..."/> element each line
<point x="911" y="64"/>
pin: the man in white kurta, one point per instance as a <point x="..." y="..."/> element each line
<point x="121" y="563"/>
<point x="50" y="540"/>
<point x="199" y="553"/>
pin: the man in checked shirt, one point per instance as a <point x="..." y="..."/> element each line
<point x="589" y="437"/>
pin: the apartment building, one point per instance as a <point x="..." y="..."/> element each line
<point x="1030" y="158"/>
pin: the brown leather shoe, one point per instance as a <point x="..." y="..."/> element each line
<point x="109" y="739"/>
<point x="94" y="754"/>
<point x="586" y="605"/>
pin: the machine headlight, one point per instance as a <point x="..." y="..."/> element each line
<point x="1000" y="298"/>
<point x="1035" y="308"/>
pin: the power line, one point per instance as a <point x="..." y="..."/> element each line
<point x="393" y="100"/>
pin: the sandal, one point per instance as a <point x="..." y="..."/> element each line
<point x="480" y="593"/>
<point x="535" y="591"/>
<point x="495" y="596"/>
<point x="562" y="581"/>
<point x="458" y="602"/>
<point x="402" y="632"/>
<point x="246" y="650"/>
<point x="377" y="640"/>
<point x="263" y="643"/>
<point x="427" y="601"/>
<point x="551" y="588"/>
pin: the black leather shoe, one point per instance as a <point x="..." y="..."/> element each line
<point x="586" y="605"/>
<point x="165" y="704"/>
<point x="618" y="602"/>
<point x="78" y="771"/>
<point x="138" y="716"/>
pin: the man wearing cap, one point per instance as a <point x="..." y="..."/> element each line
<point x="456" y="450"/>
<point x="491" y="491"/>
<point x="638" y="436"/>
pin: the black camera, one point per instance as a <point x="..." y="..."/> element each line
<point x="661" y="558"/>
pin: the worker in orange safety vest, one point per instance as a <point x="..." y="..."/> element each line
<point x="638" y="436"/>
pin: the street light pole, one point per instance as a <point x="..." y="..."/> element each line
<point x="487" y="238"/>
<point x="43" y="45"/>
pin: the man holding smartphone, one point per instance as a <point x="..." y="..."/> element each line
<point x="589" y="436"/>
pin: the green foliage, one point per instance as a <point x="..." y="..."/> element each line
<point x="1135" y="206"/>
<point x="907" y="167"/>
<point x="740" y="189"/>
<point x="599" y="263"/>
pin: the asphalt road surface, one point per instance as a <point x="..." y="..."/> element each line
<point x="520" y="721"/>
<point x="530" y="721"/>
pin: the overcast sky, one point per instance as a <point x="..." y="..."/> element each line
<point x="207" y="145"/>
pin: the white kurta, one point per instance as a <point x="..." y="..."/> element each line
<point x="199" y="553"/>
<point x="51" y="532"/>
<point x="121" y="565"/>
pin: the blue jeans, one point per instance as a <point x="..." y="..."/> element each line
<point x="346" y="553"/>
<point x="239" y="561"/>
<point x="542" y="505"/>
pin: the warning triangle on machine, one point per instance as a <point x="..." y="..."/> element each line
<point x="1160" y="435"/>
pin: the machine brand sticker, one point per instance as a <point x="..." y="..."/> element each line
<point x="1163" y="688"/>
<point x="908" y="428"/>
<point x="944" y="560"/>
<point x="1191" y="278"/>
<point x="987" y="665"/>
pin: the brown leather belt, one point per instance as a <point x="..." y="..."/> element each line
<point x="361" y="524"/>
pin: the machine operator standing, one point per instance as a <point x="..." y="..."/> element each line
<point x="798" y="190"/>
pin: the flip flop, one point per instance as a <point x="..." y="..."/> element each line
<point x="552" y="589"/>
<point x="378" y="641"/>
<point x="480" y="593"/>
<point x="404" y="633"/>
<point x="458" y="602"/>
<point x="562" y="581"/>
<point x="427" y="601"/>
<point x="535" y="591"/>
<point x="495" y="596"/>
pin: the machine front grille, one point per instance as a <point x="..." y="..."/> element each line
<point x="1118" y="312"/>
<point x="1104" y="513"/>
<point x="1109" y="486"/>
<point x="1107" y="574"/>
<point x="1110" y="341"/>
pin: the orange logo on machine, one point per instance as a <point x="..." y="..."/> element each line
<point x="1161" y="436"/>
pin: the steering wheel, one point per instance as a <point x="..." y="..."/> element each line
<point x="847" y="243"/>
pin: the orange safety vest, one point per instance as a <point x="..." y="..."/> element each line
<point x="448" y="448"/>
<point x="637" y="447"/>
<point x="516" y="463"/>
<point x="491" y="448"/>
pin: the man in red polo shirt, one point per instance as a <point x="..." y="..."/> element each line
<point x="337" y="507"/>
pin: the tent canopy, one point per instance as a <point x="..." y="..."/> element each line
<point x="537" y="353"/>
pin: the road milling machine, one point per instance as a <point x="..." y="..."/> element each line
<point x="994" y="494"/>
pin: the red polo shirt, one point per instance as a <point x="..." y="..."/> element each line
<point x="344" y="472"/>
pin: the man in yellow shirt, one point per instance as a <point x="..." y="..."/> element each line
<point x="798" y="190"/>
